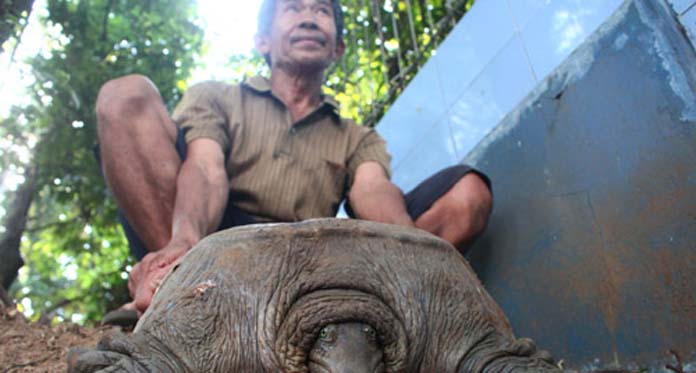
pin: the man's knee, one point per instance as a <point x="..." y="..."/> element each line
<point x="122" y="97"/>
<point x="469" y="201"/>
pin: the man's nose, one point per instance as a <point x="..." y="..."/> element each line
<point x="309" y="24"/>
<point x="308" y="19"/>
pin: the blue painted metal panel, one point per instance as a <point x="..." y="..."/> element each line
<point x="591" y="249"/>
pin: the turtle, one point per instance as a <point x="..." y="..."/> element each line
<point x="323" y="295"/>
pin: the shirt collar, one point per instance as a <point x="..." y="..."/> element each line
<point x="262" y="85"/>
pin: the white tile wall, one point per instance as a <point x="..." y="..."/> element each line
<point x="523" y="10"/>
<point x="559" y="27"/>
<point x="496" y="54"/>
<point x="471" y="46"/>
<point x="414" y="113"/>
<point x="433" y="152"/>
<point x="688" y="19"/>
<point x="681" y="6"/>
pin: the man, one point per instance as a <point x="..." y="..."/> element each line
<point x="261" y="151"/>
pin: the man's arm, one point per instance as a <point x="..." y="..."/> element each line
<point x="373" y="197"/>
<point x="201" y="197"/>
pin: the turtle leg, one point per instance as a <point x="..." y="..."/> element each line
<point x="121" y="353"/>
<point x="346" y="347"/>
<point x="498" y="354"/>
<point x="85" y="360"/>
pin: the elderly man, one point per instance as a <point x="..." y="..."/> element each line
<point x="261" y="151"/>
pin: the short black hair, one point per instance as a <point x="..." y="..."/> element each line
<point x="267" y="10"/>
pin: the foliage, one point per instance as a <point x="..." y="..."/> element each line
<point x="13" y="18"/>
<point x="387" y="43"/>
<point x="75" y="252"/>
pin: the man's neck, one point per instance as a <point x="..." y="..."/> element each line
<point x="301" y="93"/>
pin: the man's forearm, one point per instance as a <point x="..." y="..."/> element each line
<point x="201" y="198"/>
<point x="380" y="201"/>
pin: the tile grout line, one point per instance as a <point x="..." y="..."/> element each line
<point x="448" y="107"/>
<point x="518" y="30"/>
<point x="689" y="8"/>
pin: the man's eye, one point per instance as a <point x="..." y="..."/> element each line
<point x="324" y="10"/>
<point x="292" y="7"/>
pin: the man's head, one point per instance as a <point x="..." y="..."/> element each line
<point x="302" y="33"/>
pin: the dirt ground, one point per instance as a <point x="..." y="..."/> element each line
<point x="30" y="347"/>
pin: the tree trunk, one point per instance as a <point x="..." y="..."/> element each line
<point x="15" y="222"/>
<point x="6" y="301"/>
<point x="10" y="14"/>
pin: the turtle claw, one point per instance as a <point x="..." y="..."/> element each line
<point x="114" y="353"/>
<point x="121" y="317"/>
<point x="84" y="360"/>
<point x="118" y="352"/>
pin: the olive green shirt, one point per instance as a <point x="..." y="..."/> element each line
<point x="279" y="170"/>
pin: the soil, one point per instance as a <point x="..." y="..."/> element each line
<point x="31" y="347"/>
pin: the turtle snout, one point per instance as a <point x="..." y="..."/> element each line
<point x="350" y="347"/>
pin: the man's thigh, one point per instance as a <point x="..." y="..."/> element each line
<point x="135" y="243"/>
<point x="231" y="218"/>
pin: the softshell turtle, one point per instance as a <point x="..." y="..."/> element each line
<point x="326" y="295"/>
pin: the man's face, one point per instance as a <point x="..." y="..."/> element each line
<point x="302" y="36"/>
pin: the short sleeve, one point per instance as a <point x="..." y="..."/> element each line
<point x="371" y="147"/>
<point x="200" y="115"/>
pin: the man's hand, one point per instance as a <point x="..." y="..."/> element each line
<point x="147" y="275"/>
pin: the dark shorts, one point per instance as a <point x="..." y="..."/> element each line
<point x="418" y="200"/>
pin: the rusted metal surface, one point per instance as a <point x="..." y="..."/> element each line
<point x="591" y="249"/>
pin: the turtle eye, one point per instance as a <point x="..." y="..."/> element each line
<point x="370" y="332"/>
<point x="328" y="333"/>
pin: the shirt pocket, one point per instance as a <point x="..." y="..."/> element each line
<point x="326" y="186"/>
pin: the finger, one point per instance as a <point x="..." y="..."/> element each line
<point x="166" y="259"/>
<point x="134" y="278"/>
<point x="148" y="284"/>
<point x="128" y="306"/>
<point x="143" y="296"/>
<point x="132" y="287"/>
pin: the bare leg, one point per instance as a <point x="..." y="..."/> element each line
<point x="461" y="214"/>
<point x="139" y="159"/>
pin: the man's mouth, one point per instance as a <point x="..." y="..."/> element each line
<point x="308" y="39"/>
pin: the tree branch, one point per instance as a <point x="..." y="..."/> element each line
<point x="15" y="223"/>
<point x="5" y="300"/>
<point x="105" y="21"/>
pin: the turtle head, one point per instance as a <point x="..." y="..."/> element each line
<point x="345" y="348"/>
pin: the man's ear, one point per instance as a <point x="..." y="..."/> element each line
<point x="340" y="49"/>
<point x="262" y="44"/>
